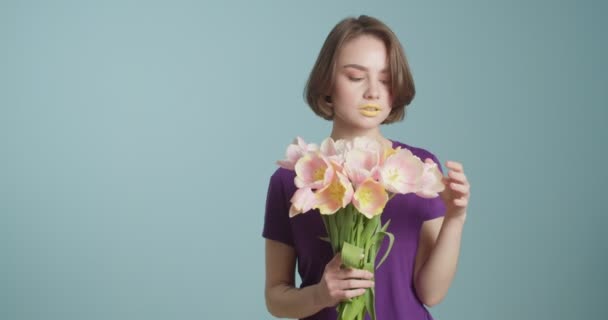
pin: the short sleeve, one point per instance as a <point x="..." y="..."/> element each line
<point x="435" y="207"/>
<point x="276" y="220"/>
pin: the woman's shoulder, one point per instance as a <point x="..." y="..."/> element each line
<point x="282" y="173"/>
<point x="283" y="177"/>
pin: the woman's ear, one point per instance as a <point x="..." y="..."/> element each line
<point x="328" y="100"/>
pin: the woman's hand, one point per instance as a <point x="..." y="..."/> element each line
<point x="457" y="192"/>
<point x="339" y="283"/>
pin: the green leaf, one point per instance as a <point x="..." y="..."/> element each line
<point x="335" y="242"/>
<point x="352" y="255"/>
<point x="373" y="310"/>
<point x="324" y="218"/>
<point x="346" y="226"/>
<point x="370" y="303"/>
<point x="339" y="216"/>
<point x="359" y="224"/>
<point x="391" y="239"/>
<point x="374" y="243"/>
<point x="385" y="226"/>
<point x="372" y="250"/>
<point x="326" y="239"/>
<point x="370" y="226"/>
<point x="354" y="308"/>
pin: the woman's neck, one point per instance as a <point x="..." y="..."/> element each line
<point x="338" y="133"/>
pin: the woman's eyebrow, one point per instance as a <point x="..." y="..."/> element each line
<point x="362" y="68"/>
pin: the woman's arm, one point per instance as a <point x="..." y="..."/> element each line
<point x="439" y="245"/>
<point x="283" y="300"/>
<point x="437" y="258"/>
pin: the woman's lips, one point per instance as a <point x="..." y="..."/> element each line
<point x="370" y="110"/>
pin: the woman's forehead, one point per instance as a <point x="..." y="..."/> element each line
<point x="364" y="53"/>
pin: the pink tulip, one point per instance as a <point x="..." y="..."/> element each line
<point x="359" y="165"/>
<point x="401" y="172"/>
<point x="328" y="147"/>
<point x="313" y="170"/>
<point x="388" y="151"/>
<point x="370" y="198"/>
<point x="343" y="146"/>
<point x="368" y="144"/>
<point x="329" y="150"/>
<point x="295" y="151"/>
<point x="302" y="201"/>
<point x="337" y="194"/>
<point x="431" y="182"/>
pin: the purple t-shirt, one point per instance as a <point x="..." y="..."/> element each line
<point x="395" y="294"/>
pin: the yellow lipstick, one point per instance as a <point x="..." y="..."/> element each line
<point x="370" y="110"/>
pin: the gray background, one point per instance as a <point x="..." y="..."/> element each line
<point x="137" y="139"/>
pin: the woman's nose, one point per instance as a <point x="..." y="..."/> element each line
<point x="372" y="92"/>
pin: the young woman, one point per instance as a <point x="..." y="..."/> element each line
<point x="361" y="80"/>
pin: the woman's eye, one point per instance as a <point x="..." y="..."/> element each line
<point x="355" y="79"/>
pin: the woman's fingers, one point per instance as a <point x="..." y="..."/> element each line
<point x="351" y="284"/>
<point x="459" y="187"/>
<point x="454" y="165"/>
<point x="340" y="283"/>
<point x="351" y="273"/>
<point x="457" y="176"/>
<point x="347" y="294"/>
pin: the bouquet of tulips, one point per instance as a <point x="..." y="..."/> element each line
<point x="350" y="182"/>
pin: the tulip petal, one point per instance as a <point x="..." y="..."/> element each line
<point x="335" y="195"/>
<point x="401" y="172"/>
<point x="303" y="200"/>
<point x="431" y="181"/>
<point x="312" y="170"/>
<point x="370" y="198"/>
<point x="328" y="147"/>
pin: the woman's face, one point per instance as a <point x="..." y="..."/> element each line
<point x="361" y="95"/>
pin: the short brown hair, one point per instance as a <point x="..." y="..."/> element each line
<point x="323" y="72"/>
